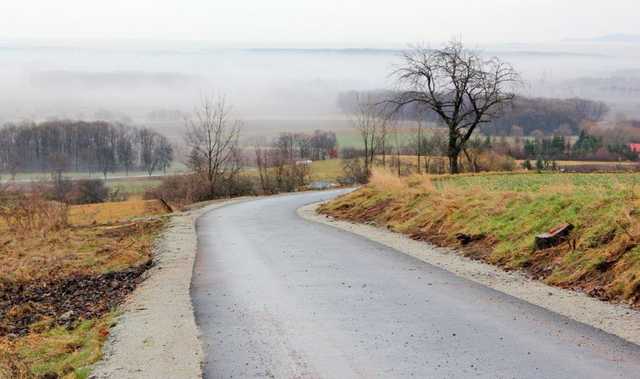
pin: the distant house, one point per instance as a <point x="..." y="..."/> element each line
<point x="635" y="147"/>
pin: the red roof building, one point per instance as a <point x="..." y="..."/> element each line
<point x="635" y="147"/>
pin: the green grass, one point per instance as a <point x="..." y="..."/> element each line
<point x="534" y="182"/>
<point x="134" y="186"/>
<point x="351" y="139"/>
<point x="327" y="170"/>
<point x="67" y="353"/>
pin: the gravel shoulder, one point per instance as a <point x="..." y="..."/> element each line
<point x="615" y="319"/>
<point x="156" y="336"/>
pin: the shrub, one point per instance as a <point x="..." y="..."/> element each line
<point x="193" y="188"/>
<point x="89" y="191"/>
<point x="180" y="189"/>
<point x="353" y="167"/>
<point x="61" y="189"/>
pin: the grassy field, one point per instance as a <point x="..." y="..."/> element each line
<point x="504" y="212"/>
<point x="134" y="187"/>
<point x="351" y="139"/>
<point x="328" y="170"/>
<point x="63" y="285"/>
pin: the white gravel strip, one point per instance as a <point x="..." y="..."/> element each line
<point x="615" y="319"/>
<point x="157" y="337"/>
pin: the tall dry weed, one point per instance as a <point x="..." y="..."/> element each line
<point x="421" y="183"/>
<point x="385" y="180"/>
<point x="29" y="213"/>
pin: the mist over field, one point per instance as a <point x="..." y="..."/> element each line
<point x="270" y="89"/>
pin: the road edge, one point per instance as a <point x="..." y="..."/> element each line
<point x="615" y="319"/>
<point x="156" y="336"/>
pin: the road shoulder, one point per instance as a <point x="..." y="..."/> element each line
<point x="156" y="336"/>
<point x="618" y="320"/>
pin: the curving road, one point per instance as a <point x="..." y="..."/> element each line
<point x="276" y="296"/>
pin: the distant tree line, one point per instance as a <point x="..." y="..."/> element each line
<point x="586" y="147"/>
<point x="319" y="145"/>
<point x="79" y="146"/>
<point x="524" y="116"/>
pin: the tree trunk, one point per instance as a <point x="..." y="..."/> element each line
<point x="454" y="168"/>
<point x="454" y="151"/>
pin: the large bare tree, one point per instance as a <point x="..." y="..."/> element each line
<point x="462" y="87"/>
<point x="212" y="135"/>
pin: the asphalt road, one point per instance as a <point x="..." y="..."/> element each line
<point x="278" y="296"/>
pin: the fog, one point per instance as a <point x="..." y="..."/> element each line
<point x="270" y="88"/>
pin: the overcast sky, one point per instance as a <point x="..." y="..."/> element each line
<point x="318" y="22"/>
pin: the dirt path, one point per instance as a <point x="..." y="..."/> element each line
<point x="615" y="319"/>
<point x="156" y="337"/>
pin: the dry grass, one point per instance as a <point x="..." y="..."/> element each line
<point x="29" y="214"/>
<point x="107" y="213"/>
<point x="509" y="210"/>
<point x="98" y="239"/>
<point x="385" y="180"/>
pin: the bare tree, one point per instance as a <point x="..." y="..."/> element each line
<point x="125" y="148"/>
<point x="370" y="122"/>
<point x="149" y="143"/>
<point x="417" y="142"/>
<point x="395" y="133"/>
<point x="212" y="137"/>
<point x="463" y="88"/>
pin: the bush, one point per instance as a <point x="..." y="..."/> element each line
<point x="61" y="189"/>
<point x="241" y="185"/>
<point x="180" y="189"/>
<point x="187" y="189"/>
<point x="491" y="161"/>
<point x="353" y="167"/>
<point x="89" y="191"/>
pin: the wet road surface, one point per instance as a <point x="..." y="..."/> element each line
<point x="276" y="296"/>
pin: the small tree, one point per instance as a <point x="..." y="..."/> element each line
<point x="370" y="122"/>
<point x="461" y="87"/>
<point x="212" y="137"/>
<point x="149" y="143"/>
<point x="125" y="148"/>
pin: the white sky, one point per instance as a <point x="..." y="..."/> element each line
<point x="318" y="22"/>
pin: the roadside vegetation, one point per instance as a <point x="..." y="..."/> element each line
<point x="64" y="269"/>
<point x="495" y="217"/>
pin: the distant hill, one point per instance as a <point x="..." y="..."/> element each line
<point x="613" y="38"/>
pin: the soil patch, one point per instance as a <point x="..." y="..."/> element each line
<point x="64" y="302"/>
